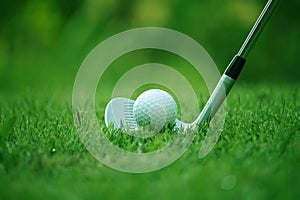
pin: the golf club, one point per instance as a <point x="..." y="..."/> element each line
<point x="119" y="110"/>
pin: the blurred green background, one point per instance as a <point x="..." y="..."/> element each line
<point x="42" y="43"/>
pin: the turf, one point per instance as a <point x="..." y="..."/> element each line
<point x="256" y="157"/>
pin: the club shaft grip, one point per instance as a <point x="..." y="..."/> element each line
<point x="235" y="67"/>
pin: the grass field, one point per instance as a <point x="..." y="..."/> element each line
<point x="257" y="156"/>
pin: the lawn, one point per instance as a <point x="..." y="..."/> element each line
<point x="256" y="157"/>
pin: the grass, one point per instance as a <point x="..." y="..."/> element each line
<point x="257" y="156"/>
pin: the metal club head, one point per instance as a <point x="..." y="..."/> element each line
<point x="119" y="112"/>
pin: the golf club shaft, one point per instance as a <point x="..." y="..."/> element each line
<point x="257" y="28"/>
<point x="234" y="68"/>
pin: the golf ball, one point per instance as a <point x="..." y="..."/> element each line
<point x="155" y="109"/>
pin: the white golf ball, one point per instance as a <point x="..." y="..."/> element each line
<point x="155" y="109"/>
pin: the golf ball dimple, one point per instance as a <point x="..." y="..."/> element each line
<point x="154" y="109"/>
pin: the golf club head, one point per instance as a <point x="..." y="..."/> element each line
<point x="119" y="112"/>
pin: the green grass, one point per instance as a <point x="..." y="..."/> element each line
<point x="257" y="156"/>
